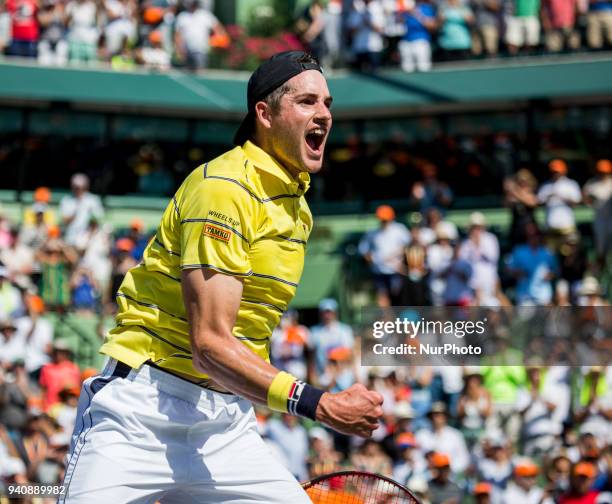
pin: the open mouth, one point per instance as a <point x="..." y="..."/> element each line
<point x="315" y="139"/>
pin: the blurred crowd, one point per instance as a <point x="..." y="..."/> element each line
<point x="432" y="264"/>
<point x="363" y="34"/>
<point x="486" y="434"/>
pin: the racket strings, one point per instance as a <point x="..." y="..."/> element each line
<point x="358" y="489"/>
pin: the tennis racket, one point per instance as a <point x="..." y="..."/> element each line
<point x="356" y="487"/>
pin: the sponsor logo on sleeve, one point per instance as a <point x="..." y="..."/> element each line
<point x="216" y="232"/>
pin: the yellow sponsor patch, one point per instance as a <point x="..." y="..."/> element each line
<point x="217" y="233"/>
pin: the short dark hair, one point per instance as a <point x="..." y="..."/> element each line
<point x="275" y="97"/>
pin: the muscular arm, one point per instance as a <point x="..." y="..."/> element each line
<point x="212" y="301"/>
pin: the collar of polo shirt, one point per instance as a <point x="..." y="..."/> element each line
<point x="267" y="163"/>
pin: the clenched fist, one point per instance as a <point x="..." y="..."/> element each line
<point x="355" y="410"/>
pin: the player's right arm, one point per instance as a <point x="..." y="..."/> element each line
<point x="212" y="301"/>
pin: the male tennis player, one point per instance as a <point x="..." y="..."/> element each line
<point x="171" y="418"/>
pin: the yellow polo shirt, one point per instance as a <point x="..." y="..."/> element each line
<point x="241" y="214"/>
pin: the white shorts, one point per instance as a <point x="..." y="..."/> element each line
<point x="523" y="31"/>
<point x="143" y="436"/>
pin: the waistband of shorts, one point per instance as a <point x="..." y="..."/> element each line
<point x="169" y="383"/>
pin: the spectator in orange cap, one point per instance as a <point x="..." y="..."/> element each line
<point x="523" y="487"/>
<point x="559" y="195"/>
<point x="383" y="250"/>
<point x="482" y="492"/>
<point x="40" y="205"/>
<point x="154" y="55"/>
<point x="139" y="239"/>
<point x="122" y="262"/>
<point x="339" y="373"/>
<point x="442" y="488"/>
<point x="597" y="192"/>
<point x="581" y="480"/>
<point x="412" y="463"/>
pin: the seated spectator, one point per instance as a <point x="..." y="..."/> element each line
<point x="18" y="259"/>
<point x="83" y="34"/>
<point x="122" y="263"/>
<point x="84" y="290"/>
<point x="52" y="46"/>
<point x="559" y="195"/>
<point x="534" y="267"/>
<point x="24" y="28"/>
<point x="597" y="192"/>
<point x="455" y="20"/>
<point x="328" y="334"/>
<point x="482" y="493"/>
<point x="439" y="258"/>
<point x="431" y="192"/>
<point x="520" y="197"/>
<point x="594" y="408"/>
<point x="65" y="411"/>
<point x="324" y="459"/>
<point x="192" y="33"/>
<point x="442" y="488"/>
<point x="559" y="23"/>
<point x="291" y="437"/>
<point x="458" y="276"/>
<point x="443" y="437"/>
<point x="419" y="380"/>
<point x="120" y="25"/>
<point x="56" y="259"/>
<point x="14" y="394"/>
<point x="481" y="251"/>
<point x="58" y="374"/>
<point x="581" y="480"/>
<point x="289" y="344"/>
<point x="415" y="45"/>
<point x="415" y="291"/>
<point x="572" y="262"/>
<point x="494" y="464"/>
<point x="522" y="25"/>
<point x="94" y="246"/>
<point x="474" y="407"/>
<point x="411" y="462"/>
<point x="154" y="56"/>
<point x="77" y="209"/>
<point x="523" y="487"/>
<point x="37" y="332"/>
<point x="599" y="24"/>
<point x="11" y="304"/>
<point x="340" y="371"/>
<point x="310" y="28"/>
<point x="557" y="477"/>
<point x="370" y="457"/>
<point x="124" y="60"/>
<point x="487" y="17"/>
<point x="540" y="429"/>
<point x="12" y="469"/>
<point x="433" y="217"/>
<point x="366" y="22"/>
<point x="420" y="489"/>
<point x="383" y="250"/>
<point x="5" y="28"/>
<point x="34" y="235"/>
<point x="42" y="198"/>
